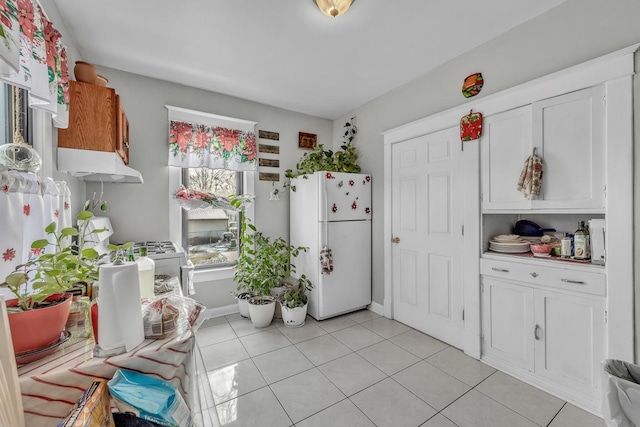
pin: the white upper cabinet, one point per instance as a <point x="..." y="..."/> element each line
<point x="505" y="144"/>
<point x="567" y="131"/>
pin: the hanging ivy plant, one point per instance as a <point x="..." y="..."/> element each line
<point x="344" y="160"/>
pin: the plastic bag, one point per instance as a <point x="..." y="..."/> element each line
<point x="621" y="393"/>
<point x="149" y="398"/>
<point x="165" y="314"/>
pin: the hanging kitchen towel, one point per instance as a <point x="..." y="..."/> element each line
<point x="326" y="260"/>
<point x="530" y="179"/>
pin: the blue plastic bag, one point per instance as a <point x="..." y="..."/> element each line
<point x="149" y="398"/>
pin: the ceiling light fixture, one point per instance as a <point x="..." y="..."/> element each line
<point x="333" y="8"/>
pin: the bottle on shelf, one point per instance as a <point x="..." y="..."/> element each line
<point x="146" y="274"/>
<point x="565" y="246"/>
<point x="581" y="246"/>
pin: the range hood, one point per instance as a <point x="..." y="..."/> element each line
<point x="91" y="165"/>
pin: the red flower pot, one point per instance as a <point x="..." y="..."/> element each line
<point x="34" y="329"/>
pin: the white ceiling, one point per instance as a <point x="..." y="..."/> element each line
<point x="286" y="53"/>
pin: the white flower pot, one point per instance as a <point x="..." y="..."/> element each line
<point x="278" y="291"/>
<point x="262" y="314"/>
<point x="294" y="317"/>
<point x="243" y="305"/>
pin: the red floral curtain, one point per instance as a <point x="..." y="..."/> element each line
<point x="33" y="57"/>
<point x="193" y="145"/>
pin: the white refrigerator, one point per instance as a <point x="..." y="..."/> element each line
<point x="332" y="211"/>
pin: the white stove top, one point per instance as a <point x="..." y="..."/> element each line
<point x="159" y="250"/>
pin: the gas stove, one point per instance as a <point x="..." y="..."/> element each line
<point x="159" y="250"/>
<point x="169" y="258"/>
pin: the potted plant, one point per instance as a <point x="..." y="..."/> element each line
<point x="294" y="303"/>
<point x="263" y="264"/>
<point x="37" y="317"/>
<point x="345" y="160"/>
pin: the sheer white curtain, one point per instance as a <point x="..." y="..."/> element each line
<point x="28" y="204"/>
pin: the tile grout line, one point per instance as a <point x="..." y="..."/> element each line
<point x="387" y="376"/>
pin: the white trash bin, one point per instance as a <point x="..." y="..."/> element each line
<point x="621" y="393"/>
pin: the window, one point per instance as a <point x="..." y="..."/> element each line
<point x="210" y="236"/>
<point x="16" y="114"/>
<point x="215" y="155"/>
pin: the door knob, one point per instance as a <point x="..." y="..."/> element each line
<point x="395" y="240"/>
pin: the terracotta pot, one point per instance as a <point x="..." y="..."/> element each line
<point x="85" y="72"/>
<point x="34" y="329"/>
<point x="101" y="81"/>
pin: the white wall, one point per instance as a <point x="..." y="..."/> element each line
<point x="572" y="33"/>
<point x="140" y="212"/>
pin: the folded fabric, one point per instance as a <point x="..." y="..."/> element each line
<point x="326" y="260"/>
<point x="530" y="180"/>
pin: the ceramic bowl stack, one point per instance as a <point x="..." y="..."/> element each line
<point x="509" y="243"/>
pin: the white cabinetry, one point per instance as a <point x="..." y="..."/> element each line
<point x="505" y="144"/>
<point x="567" y="131"/>
<point x="545" y="324"/>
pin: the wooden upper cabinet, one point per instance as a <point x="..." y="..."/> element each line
<point x="97" y="121"/>
<point x="122" y="132"/>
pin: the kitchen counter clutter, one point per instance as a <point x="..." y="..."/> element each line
<point x="52" y="385"/>
<point x="551" y="258"/>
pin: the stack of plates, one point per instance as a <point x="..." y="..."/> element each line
<point x="509" y="243"/>
<point x="532" y="239"/>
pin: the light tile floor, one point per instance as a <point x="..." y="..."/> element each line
<point x="361" y="369"/>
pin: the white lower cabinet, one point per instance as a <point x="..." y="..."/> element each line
<point x="545" y="333"/>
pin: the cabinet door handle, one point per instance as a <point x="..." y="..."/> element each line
<point x="577" y="282"/>
<point x="501" y="270"/>
<point x="536" y="332"/>
<point x="534" y="274"/>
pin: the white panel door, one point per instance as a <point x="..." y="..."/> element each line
<point x="507" y="323"/>
<point x="570" y="340"/>
<point x="427" y="228"/>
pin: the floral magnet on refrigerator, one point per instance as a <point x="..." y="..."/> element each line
<point x="471" y="126"/>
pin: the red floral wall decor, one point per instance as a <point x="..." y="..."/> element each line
<point x="471" y="126"/>
<point x="472" y="85"/>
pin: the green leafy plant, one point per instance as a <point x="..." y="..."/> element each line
<point x="263" y="262"/>
<point x="59" y="270"/>
<point x="298" y="297"/>
<point x="345" y="160"/>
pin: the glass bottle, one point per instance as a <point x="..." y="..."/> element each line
<point x="565" y="246"/>
<point x="146" y="274"/>
<point x="581" y="242"/>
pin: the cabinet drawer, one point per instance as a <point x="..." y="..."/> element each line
<point x="554" y="277"/>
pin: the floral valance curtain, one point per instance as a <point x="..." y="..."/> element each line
<point x="33" y="57"/>
<point x="198" y="145"/>
<point x="28" y="204"/>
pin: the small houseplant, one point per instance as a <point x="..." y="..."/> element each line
<point x="344" y="160"/>
<point x="294" y="303"/>
<point x="262" y="265"/>
<point x="51" y="275"/>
